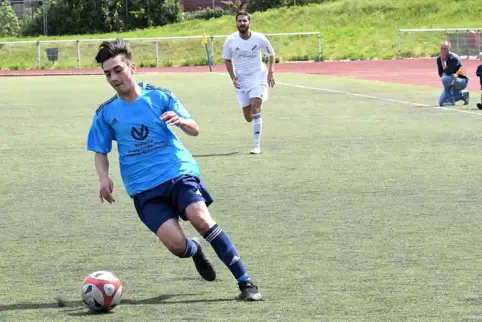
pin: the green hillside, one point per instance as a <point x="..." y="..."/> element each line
<point x="350" y="29"/>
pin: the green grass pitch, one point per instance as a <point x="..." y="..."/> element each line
<point x="358" y="209"/>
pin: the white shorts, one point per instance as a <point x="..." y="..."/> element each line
<point x="258" y="91"/>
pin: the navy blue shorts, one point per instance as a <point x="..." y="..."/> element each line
<point x="170" y="200"/>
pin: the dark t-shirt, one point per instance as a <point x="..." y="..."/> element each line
<point x="454" y="66"/>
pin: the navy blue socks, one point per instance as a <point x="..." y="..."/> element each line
<point x="226" y="251"/>
<point x="191" y="248"/>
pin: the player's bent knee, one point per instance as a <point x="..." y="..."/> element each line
<point x="446" y="80"/>
<point x="176" y="248"/>
<point x="256" y="110"/>
<point x="172" y="236"/>
<point x="198" y="214"/>
<point x="256" y="102"/>
<point x="256" y="105"/>
<point x="247" y="113"/>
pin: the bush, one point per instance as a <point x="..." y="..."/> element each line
<point x="263" y="5"/>
<point x="234" y="6"/>
<point x="31" y="24"/>
<point x="157" y="13"/>
<point x="205" y="14"/>
<point x="289" y="3"/>
<point x="70" y="17"/>
<point x="10" y="26"/>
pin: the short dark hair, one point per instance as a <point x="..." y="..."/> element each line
<point x="243" y="13"/>
<point x="111" y="49"/>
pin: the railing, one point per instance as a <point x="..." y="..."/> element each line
<point x="72" y="51"/>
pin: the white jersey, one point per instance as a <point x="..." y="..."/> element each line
<point x="246" y="56"/>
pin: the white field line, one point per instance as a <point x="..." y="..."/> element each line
<point x="380" y="98"/>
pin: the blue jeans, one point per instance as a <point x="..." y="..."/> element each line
<point x="453" y="93"/>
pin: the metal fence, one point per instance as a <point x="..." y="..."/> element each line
<point x="466" y="42"/>
<point x="152" y="52"/>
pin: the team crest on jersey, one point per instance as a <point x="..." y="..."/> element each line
<point x="254" y="47"/>
<point x="141" y="133"/>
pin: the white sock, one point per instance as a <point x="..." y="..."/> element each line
<point x="257" y="129"/>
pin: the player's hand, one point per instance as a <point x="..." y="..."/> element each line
<point x="271" y="81"/>
<point x="235" y="83"/>
<point x="105" y="191"/>
<point x="171" y="118"/>
<point x="454" y="78"/>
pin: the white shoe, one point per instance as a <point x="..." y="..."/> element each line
<point x="255" y="150"/>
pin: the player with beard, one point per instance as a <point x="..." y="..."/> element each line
<point x="250" y="76"/>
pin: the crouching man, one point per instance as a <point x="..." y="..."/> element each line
<point x="453" y="77"/>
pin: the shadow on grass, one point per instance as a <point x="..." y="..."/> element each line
<point x="215" y="155"/>
<point x="79" y="305"/>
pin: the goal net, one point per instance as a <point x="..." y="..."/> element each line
<point x="426" y="42"/>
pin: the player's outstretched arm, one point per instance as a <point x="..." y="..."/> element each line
<point x="106" y="184"/>
<point x="228" y="55"/>
<point x="230" y="69"/>
<point x="190" y="127"/>
<point x="271" y="81"/>
<point x="187" y="125"/>
<point x="102" y="165"/>
<point x="268" y="50"/>
<point x="99" y="140"/>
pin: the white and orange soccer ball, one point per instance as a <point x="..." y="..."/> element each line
<point x="101" y="291"/>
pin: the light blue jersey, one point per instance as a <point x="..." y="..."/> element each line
<point x="150" y="153"/>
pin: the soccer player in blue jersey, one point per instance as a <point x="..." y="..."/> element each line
<point x="158" y="172"/>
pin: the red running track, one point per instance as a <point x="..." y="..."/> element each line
<point x="421" y="72"/>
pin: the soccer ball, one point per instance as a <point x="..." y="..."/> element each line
<point x="101" y="291"/>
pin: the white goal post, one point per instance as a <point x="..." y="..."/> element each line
<point x="466" y="42"/>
